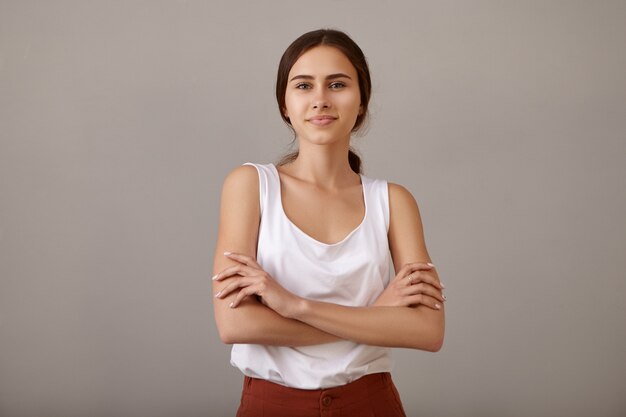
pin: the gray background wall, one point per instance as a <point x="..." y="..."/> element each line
<point x="120" y="119"/>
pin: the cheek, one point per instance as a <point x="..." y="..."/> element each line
<point x="350" y="101"/>
<point x="291" y="105"/>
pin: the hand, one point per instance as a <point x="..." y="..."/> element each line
<point x="248" y="276"/>
<point x="413" y="285"/>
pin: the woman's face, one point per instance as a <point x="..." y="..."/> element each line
<point x="322" y="99"/>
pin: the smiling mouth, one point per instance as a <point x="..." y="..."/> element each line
<point x="322" y="120"/>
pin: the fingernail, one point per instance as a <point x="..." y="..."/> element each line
<point x="442" y="286"/>
<point x="444" y="296"/>
<point x="231" y="304"/>
<point x="218" y="294"/>
<point x="429" y="264"/>
<point x="214" y="277"/>
<point x="437" y="306"/>
<point x="227" y="253"/>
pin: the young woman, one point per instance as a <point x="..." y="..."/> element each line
<point x="303" y="286"/>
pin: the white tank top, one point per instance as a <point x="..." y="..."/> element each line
<point x="352" y="272"/>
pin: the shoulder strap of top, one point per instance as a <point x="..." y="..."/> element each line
<point x="264" y="172"/>
<point x="378" y="198"/>
<point x="377" y="192"/>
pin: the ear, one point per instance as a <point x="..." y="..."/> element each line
<point x="361" y="110"/>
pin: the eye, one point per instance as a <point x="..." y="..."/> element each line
<point x="337" y="85"/>
<point x="303" y="86"/>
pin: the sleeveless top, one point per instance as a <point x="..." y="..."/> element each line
<point x="352" y="272"/>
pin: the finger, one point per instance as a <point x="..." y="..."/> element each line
<point x="404" y="271"/>
<point x="237" y="284"/>
<point x="425" y="300"/>
<point x="420" y="266"/>
<point x="244" y="259"/>
<point x="238" y="269"/>
<point x="233" y="285"/>
<point x="228" y="272"/>
<point x="425" y="289"/>
<point x="243" y="294"/>
<point x="412" y="267"/>
<point x="424" y="276"/>
<point x="414" y="277"/>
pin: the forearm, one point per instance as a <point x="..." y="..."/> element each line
<point x="252" y="322"/>
<point x="417" y="328"/>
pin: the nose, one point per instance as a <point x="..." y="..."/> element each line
<point x="320" y="100"/>
<point x="320" y="105"/>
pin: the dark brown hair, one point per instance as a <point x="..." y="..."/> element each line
<point x="351" y="50"/>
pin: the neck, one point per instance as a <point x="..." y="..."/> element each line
<point x="326" y="166"/>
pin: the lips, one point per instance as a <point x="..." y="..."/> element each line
<point x="322" y="120"/>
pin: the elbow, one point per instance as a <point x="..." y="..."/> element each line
<point x="236" y="325"/>
<point x="436" y="335"/>
<point x="229" y="334"/>
<point x="229" y="325"/>
<point x="437" y="341"/>
<point x="435" y="345"/>
<point x="228" y="331"/>
<point x="429" y="342"/>
<point x="226" y="337"/>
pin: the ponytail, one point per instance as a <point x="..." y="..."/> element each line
<point x="353" y="159"/>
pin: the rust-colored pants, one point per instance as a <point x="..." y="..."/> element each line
<point x="373" y="395"/>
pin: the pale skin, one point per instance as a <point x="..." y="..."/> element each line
<point x="323" y="197"/>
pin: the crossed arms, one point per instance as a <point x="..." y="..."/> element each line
<point x="250" y="307"/>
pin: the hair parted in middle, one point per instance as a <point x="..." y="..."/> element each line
<point x="341" y="41"/>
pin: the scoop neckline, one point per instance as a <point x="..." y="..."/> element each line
<point x="306" y="235"/>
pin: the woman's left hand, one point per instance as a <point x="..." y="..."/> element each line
<point x="248" y="276"/>
<point x="414" y="285"/>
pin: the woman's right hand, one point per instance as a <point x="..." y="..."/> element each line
<point x="248" y="278"/>
<point x="415" y="284"/>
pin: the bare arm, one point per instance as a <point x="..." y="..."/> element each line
<point x="418" y="320"/>
<point x="251" y="322"/>
<point x="417" y="327"/>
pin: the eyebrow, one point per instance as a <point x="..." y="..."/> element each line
<point x="328" y="77"/>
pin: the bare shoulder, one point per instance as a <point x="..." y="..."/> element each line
<point x="240" y="207"/>
<point x="244" y="178"/>
<point x="241" y="188"/>
<point x="239" y="214"/>
<point x="401" y="199"/>
<point x="406" y="234"/>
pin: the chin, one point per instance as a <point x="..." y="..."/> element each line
<point x="324" y="137"/>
